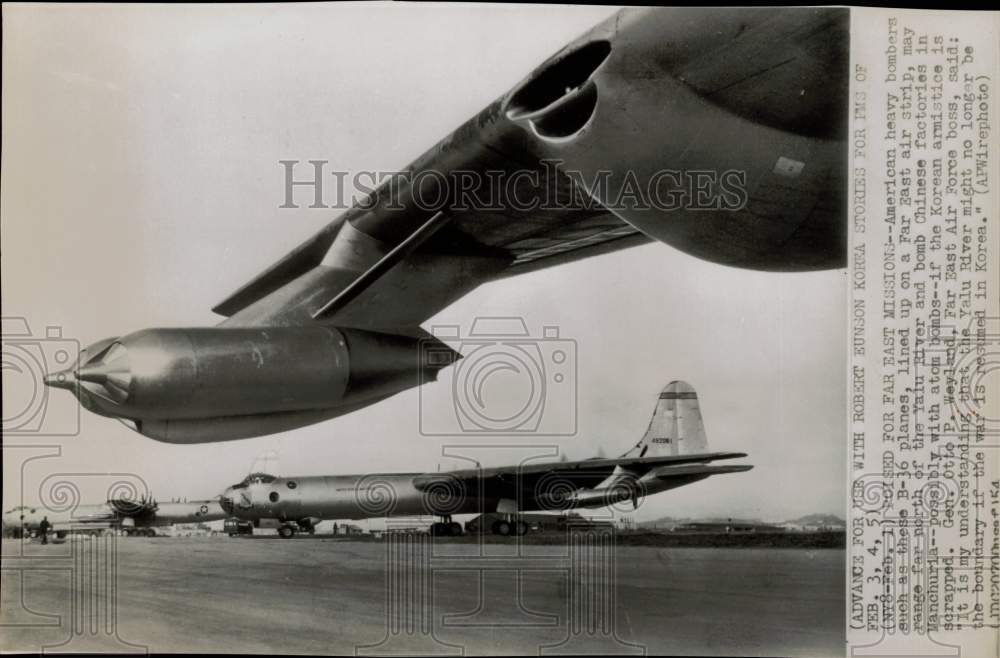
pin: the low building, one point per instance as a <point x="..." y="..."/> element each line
<point x="726" y="527"/>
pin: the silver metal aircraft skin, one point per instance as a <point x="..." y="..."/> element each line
<point x="672" y="453"/>
<point x="131" y="517"/>
<point x="604" y="146"/>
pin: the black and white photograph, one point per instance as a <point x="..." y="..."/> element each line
<point x="446" y="329"/>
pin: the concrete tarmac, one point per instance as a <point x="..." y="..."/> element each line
<point x="418" y="595"/>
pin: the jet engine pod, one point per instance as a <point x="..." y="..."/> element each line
<point x="198" y="373"/>
<point x="385" y="364"/>
<point x="182" y="385"/>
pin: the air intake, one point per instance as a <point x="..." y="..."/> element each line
<point x="559" y="98"/>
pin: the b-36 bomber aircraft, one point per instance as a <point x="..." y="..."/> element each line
<point x="131" y="517"/>
<point x="611" y="134"/>
<point x="672" y="453"/>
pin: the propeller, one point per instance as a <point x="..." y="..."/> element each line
<point x="132" y="508"/>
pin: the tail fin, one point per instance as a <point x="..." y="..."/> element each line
<point x="676" y="427"/>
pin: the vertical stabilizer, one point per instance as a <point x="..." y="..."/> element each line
<point x="676" y="427"/>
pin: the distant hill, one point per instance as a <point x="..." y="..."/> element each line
<point x="818" y="519"/>
<point x="807" y="520"/>
<point x="662" y="522"/>
<point x="669" y="521"/>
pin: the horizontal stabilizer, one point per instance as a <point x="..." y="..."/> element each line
<point x="667" y="472"/>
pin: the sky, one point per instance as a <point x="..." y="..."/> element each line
<point x="142" y="185"/>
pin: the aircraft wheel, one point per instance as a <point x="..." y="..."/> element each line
<point x="521" y="528"/>
<point x="455" y="529"/>
<point x="502" y="528"/>
<point x="286" y="531"/>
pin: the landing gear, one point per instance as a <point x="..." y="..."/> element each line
<point x="286" y="531"/>
<point x="307" y="526"/>
<point x="509" y="528"/>
<point x="446" y="528"/>
<point x="139" y="532"/>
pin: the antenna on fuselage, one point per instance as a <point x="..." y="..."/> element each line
<point x="266" y="462"/>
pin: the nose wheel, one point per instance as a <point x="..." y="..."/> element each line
<point x="286" y="531"/>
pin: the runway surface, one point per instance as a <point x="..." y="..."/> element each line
<point x="414" y="595"/>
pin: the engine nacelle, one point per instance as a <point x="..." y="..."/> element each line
<point x="222" y="375"/>
<point x="681" y="144"/>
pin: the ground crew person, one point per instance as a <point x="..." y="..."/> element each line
<point x="43" y="529"/>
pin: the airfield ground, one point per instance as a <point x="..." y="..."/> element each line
<point x="417" y="595"/>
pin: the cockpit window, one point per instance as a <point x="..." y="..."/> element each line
<point x="255" y="478"/>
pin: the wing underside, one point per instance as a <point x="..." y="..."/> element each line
<point x="757" y="93"/>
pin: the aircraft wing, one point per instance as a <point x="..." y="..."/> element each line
<point x="573" y="160"/>
<point x="531" y="477"/>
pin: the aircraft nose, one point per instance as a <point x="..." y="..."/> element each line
<point x="62" y="379"/>
<point x="226" y="501"/>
